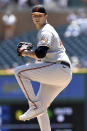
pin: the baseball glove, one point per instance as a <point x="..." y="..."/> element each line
<point x="23" y="46"/>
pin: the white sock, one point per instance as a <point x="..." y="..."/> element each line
<point x="44" y="122"/>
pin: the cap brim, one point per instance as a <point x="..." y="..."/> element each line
<point x="37" y="13"/>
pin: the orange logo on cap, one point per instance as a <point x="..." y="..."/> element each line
<point x="36" y="9"/>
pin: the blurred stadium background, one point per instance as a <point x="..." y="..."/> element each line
<point x="69" y="110"/>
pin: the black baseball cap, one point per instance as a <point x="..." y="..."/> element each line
<point x="39" y="9"/>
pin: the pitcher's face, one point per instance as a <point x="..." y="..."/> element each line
<point x="39" y="18"/>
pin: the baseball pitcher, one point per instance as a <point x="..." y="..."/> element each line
<point x="52" y="69"/>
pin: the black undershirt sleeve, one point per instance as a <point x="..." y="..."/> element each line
<point x="41" y="51"/>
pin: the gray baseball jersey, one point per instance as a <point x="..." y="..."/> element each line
<point x="47" y="36"/>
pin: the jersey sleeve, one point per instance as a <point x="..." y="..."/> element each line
<point x="45" y="39"/>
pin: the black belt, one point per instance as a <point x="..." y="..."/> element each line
<point x="62" y="62"/>
<point x="65" y="63"/>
